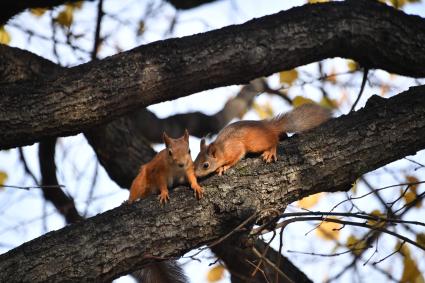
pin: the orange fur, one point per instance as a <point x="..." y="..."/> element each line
<point x="242" y="137"/>
<point x="171" y="166"/>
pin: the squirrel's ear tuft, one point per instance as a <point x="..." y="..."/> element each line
<point x="186" y="135"/>
<point x="202" y="144"/>
<point x="166" y="139"/>
<point x="212" y="150"/>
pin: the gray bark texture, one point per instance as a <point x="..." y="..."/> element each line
<point x="73" y="100"/>
<point x="329" y="158"/>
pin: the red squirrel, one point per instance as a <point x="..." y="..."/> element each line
<point x="242" y="137"/>
<point x="171" y="166"/>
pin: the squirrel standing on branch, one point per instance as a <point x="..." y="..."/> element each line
<point x="171" y="166"/>
<point x="242" y="137"/>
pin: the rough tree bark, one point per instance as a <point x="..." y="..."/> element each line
<point x="329" y="159"/>
<point x="81" y="97"/>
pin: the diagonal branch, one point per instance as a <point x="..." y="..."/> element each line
<point x="329" y="158"/>
<point x="63" y="203"/>
<point x="97" y="92"/>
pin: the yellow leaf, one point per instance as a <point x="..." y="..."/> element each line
<point x="66" y="16"/>
<point x="317" y="1"/>
<point x="310" y="201"/>
<point x="329" y="230"/>
<point x="38" y="12"/>
<point x="412" y="179"/>
<point x="263" y="111"/>
<point x="216" y="273"/>
<point x="354" y="186"/>
<point x="3" y="177"/>
<point x="384" y="89"/>
<point x="355" y="244"/>
<point x="301" y="100"/>
<point x="352" y="65"/>
<point x="398" y="3"/>
<point x="403" y="249"/>
<point x="411" y="272"/>
<point x="77" y="5"/>
<point x="4" y="36"/>
<point x="141" y="29"/>
<point x="409" y="196"/>
<point x="328" y="103"/>
<point x="332" y="76"/>
<point x="288" y="77"/>
<point x="420" y="239"/>
<point x="377" y="223"/>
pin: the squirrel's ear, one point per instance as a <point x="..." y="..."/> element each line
<point x="166" y="139"/>
<point x="202" y="144"/>
<point x="212" y="150"/>
<point x="186" y="135"/>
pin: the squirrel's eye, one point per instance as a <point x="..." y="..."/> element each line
<point x="170" y="152"/>
<point x="189" y="151"/>
<point x="206" y="165"/>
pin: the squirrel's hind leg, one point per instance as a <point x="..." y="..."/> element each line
<point x="138" y="188"/>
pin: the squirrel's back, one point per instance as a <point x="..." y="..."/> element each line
<point x="300" y="119"/>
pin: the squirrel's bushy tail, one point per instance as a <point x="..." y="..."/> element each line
<point x="302" y="118"/>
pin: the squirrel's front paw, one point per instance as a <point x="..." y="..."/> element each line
<point x="163" y="198"/>
<point x="199" y="192"/>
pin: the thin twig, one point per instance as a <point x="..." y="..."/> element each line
<point x="396" y="251"/>
<point x="328" y="255"/>
<point x="365" y="73"/>
<point x="96" y="41"/>
<point x="272" y="265"/>
<point x="26" y="167"/>
<point x="351" y="223"/>
<point x="32" y="187"/>
<point x="377" y="190"/>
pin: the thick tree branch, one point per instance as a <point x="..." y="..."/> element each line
<point x="81" y="97"/>
<point x="329" y="158"/>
